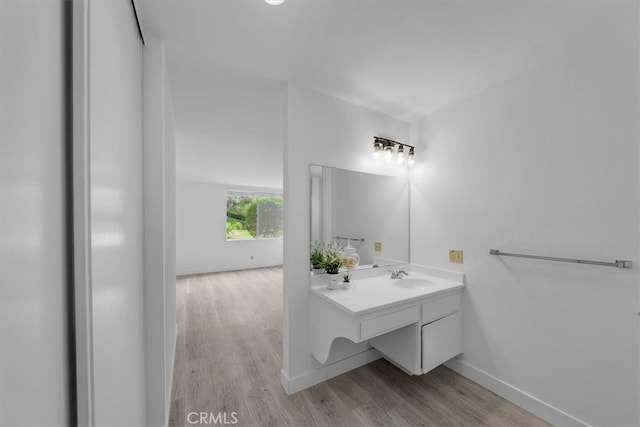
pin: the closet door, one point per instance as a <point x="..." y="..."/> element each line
<point x="116" y="163"/>
<point x="34" y="278"/>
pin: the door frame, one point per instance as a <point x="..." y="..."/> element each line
<point x="83" y="316"/>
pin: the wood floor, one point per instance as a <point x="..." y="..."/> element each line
<point x="228" y="360"/>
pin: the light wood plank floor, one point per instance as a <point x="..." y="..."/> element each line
<point x="228" y="359"/>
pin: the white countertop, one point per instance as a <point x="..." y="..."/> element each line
<point x="375" y="293"/>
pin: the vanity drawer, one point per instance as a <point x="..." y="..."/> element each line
<point x="388" y="322"/>
<point x="440" y="307"/>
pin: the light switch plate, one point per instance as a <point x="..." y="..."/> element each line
<point x="377" y="246"/>
<point x="455" y="255"/>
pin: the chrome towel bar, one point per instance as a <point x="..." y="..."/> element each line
<point x="619" y="263"/>
<point x="353" y="239"/>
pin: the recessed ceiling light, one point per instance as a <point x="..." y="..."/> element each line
<point x="274" y="2"/>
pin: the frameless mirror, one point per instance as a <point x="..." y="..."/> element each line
<point x="370" y="210"/>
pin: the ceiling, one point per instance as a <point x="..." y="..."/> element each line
<point x="405" y="58"/>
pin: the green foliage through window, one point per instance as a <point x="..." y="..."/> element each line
<point x="254" y="215"/>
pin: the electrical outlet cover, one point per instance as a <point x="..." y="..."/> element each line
<point x="455" y="256"/>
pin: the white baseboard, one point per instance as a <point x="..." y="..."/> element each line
<point x="521" y="398"/>
<point x="207" y="270"/>
<point x="324" y="373"/>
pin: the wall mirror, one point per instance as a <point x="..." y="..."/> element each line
<point x="371" y="210"/>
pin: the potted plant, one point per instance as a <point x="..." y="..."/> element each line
<point x="317" y="257"/>
<point x="346" y="281"/>
<point x="331" y="263"/>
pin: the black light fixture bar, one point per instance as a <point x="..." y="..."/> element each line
<point x="390" y="142"/>
<point x="388" y="149"/>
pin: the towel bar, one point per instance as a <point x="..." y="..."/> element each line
<point x="619" y="263"/>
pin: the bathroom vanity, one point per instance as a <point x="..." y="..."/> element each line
<point x="415" y="321"/>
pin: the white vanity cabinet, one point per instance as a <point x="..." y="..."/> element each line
<point x="416" y="329"/>
<point x="438" y="336"/>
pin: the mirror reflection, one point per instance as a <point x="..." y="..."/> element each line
<point x="363" y="212"/>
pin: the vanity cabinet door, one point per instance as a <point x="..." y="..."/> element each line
<point x="441" y="340"/>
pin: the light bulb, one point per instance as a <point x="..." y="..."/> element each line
<point x="377" y="150"/>
<point x="388" y="153"/>
<point x="274" y="2"/>
<point x="400" y="155"/>
<point x="412" y="157"/>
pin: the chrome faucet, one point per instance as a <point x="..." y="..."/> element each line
<point x="398" y="274"/>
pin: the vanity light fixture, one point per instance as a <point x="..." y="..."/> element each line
<point x="274" y="2"/>
<point x="377" y="150"/>
<point x="388" y="150"/>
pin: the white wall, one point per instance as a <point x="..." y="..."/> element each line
<point x="170" y="324"/>
<point x="159" y="232"/>
<point x="546" y="163"/>
<point x="229" y="126"/>
<point x="34" y="280"/>
<point x="116" y="214"/>
<point x="229" y="132"/>
<point x="201" y="240"/>
<point x="326" y="131"/>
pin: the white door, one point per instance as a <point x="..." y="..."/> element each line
<point x="34" y="277"/>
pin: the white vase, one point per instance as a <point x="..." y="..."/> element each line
<point x="346" y="285"/>
<point x="332" y="281"/>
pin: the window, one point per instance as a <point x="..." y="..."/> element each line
<point x="253" y="215"/>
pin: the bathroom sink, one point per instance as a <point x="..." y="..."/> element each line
<point x="412" y="283"/>
<point x="380" y="292"/>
